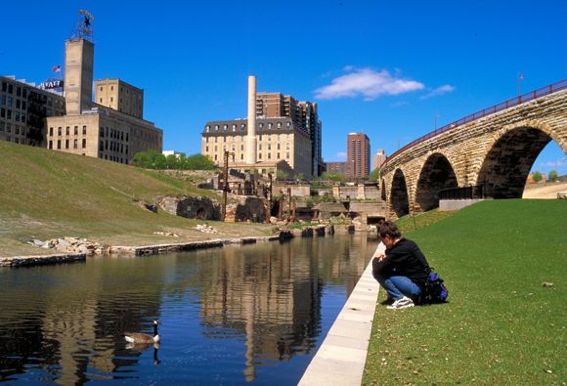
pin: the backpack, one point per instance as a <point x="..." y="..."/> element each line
<point x="434" y="289"/>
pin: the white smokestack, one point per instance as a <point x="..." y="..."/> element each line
<point x="251" y="137"/>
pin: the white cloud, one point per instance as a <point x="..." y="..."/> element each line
<point x="366" y="82"/>
<point x="554" y="163"/>
<point x="445" y="89"/>
<point x="341" y="156"/>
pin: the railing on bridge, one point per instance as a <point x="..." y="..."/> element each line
<point x="550" y="89"/>
<point x="468" y="192"/>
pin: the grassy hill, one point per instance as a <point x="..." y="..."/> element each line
<point x="502" y="325"/>
<point x="46" y="194"/>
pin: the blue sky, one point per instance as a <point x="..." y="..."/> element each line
<point x="391" y="69"/>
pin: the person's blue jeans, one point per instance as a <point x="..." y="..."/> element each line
<point x="400" y="286"/>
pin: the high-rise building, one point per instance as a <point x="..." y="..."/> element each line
<point x="378" y="159"/>
<point x="304" y="116"/>
<point x="358" y="155"/>
<point x="23" y="109"/>
<point x="99" y="130"/>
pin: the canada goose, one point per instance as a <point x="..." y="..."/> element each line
<point x="139" y="337"/>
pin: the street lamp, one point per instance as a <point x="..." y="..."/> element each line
<point x="520" y="78"/>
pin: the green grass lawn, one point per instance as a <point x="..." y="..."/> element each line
<point x="47" y="194"/>
<point x="501" y="325"/>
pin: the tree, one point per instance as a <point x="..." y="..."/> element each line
<point x="537" y="177"/>
<point x="552" y="175"/>
<point x="152" y="159"/>
<point x="333" y="177"/>
<point x="375" y="175"/>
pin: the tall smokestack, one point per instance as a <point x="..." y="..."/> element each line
<point x="251" y="137"/>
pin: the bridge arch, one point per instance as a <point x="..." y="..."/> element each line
<point x="509" y="159"/>
<point x="436" y="174"/>
<point x="399" y="198"/>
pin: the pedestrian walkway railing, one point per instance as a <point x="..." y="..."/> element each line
<point x="468" y="192"/>
<point x="550" y="89"/>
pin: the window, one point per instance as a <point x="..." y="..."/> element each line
<point x="58" y="144"/>
<point x="75" y="144"/>
<point x="51" y="144"/>
<point x="111" y="99"/>
<point x="207" y="128"/>
<point x="66" y="144"/>
<point x="84" y="143"/>
<point x="59" y="131"/>
<point x="67" y="130"/>
<point x="270" y="126"/>
<point x="76" y="130"/>
<point x="84" y="130"/>
<point x="100" y="88"/>
<point x="259" y="155"/>
<point x="100" y="100"/>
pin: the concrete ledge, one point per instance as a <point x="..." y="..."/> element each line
<point x="22" y="261"/>
<point x="447" y="205"/>
<point x="342" y="356"/>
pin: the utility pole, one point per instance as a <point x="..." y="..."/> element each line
<point x="226" y="187"/>
<point x="269" y="214"/>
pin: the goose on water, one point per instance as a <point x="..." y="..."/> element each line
<point x="139" y="337"/>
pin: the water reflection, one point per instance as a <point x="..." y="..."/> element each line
<point x="232" y="315"/>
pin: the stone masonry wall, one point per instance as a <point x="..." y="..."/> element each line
<point x="467" y="147"/>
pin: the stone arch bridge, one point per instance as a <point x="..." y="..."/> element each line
<point x="490" y="153"/>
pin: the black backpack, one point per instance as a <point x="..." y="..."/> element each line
<point x="434" y="289"/>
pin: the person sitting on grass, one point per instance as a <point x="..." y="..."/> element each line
<point x="401" y="269"/>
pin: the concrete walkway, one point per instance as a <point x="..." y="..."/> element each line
<point x="341" y="358"/>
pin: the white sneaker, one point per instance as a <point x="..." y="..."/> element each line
<point x="404" y="302"/>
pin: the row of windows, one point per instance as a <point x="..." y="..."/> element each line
<point x="260" y="125"/>
<point x="269" y="147"/>
<point x="269" y="138"/>
<point x="268" y="155"/>
<point x="22" y="141"/>
<point x="67" y="144"/>
<point x="101" y="88"/>
<point x="7" y="127"/>
<point x="113" y="146"/>
<point x="68" y="131"/>
<point x="7" y="114"/>
<point x="113" y="133"/>
<point x="113" y="158"/>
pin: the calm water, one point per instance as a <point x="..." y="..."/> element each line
<point x="234" y="315"/>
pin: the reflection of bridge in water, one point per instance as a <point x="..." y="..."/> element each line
<point x="493" y="149"/>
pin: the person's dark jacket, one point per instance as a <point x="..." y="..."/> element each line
<point x="403" y="259"/>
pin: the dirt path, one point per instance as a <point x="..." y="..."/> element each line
<point x="545" y="191"/>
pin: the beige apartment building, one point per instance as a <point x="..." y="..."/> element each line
<point x="99" y="130"/>
<point x="23" y="109"/>
<point x="277" y="139"/>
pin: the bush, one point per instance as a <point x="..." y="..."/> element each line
<point x="152" y="159"/>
